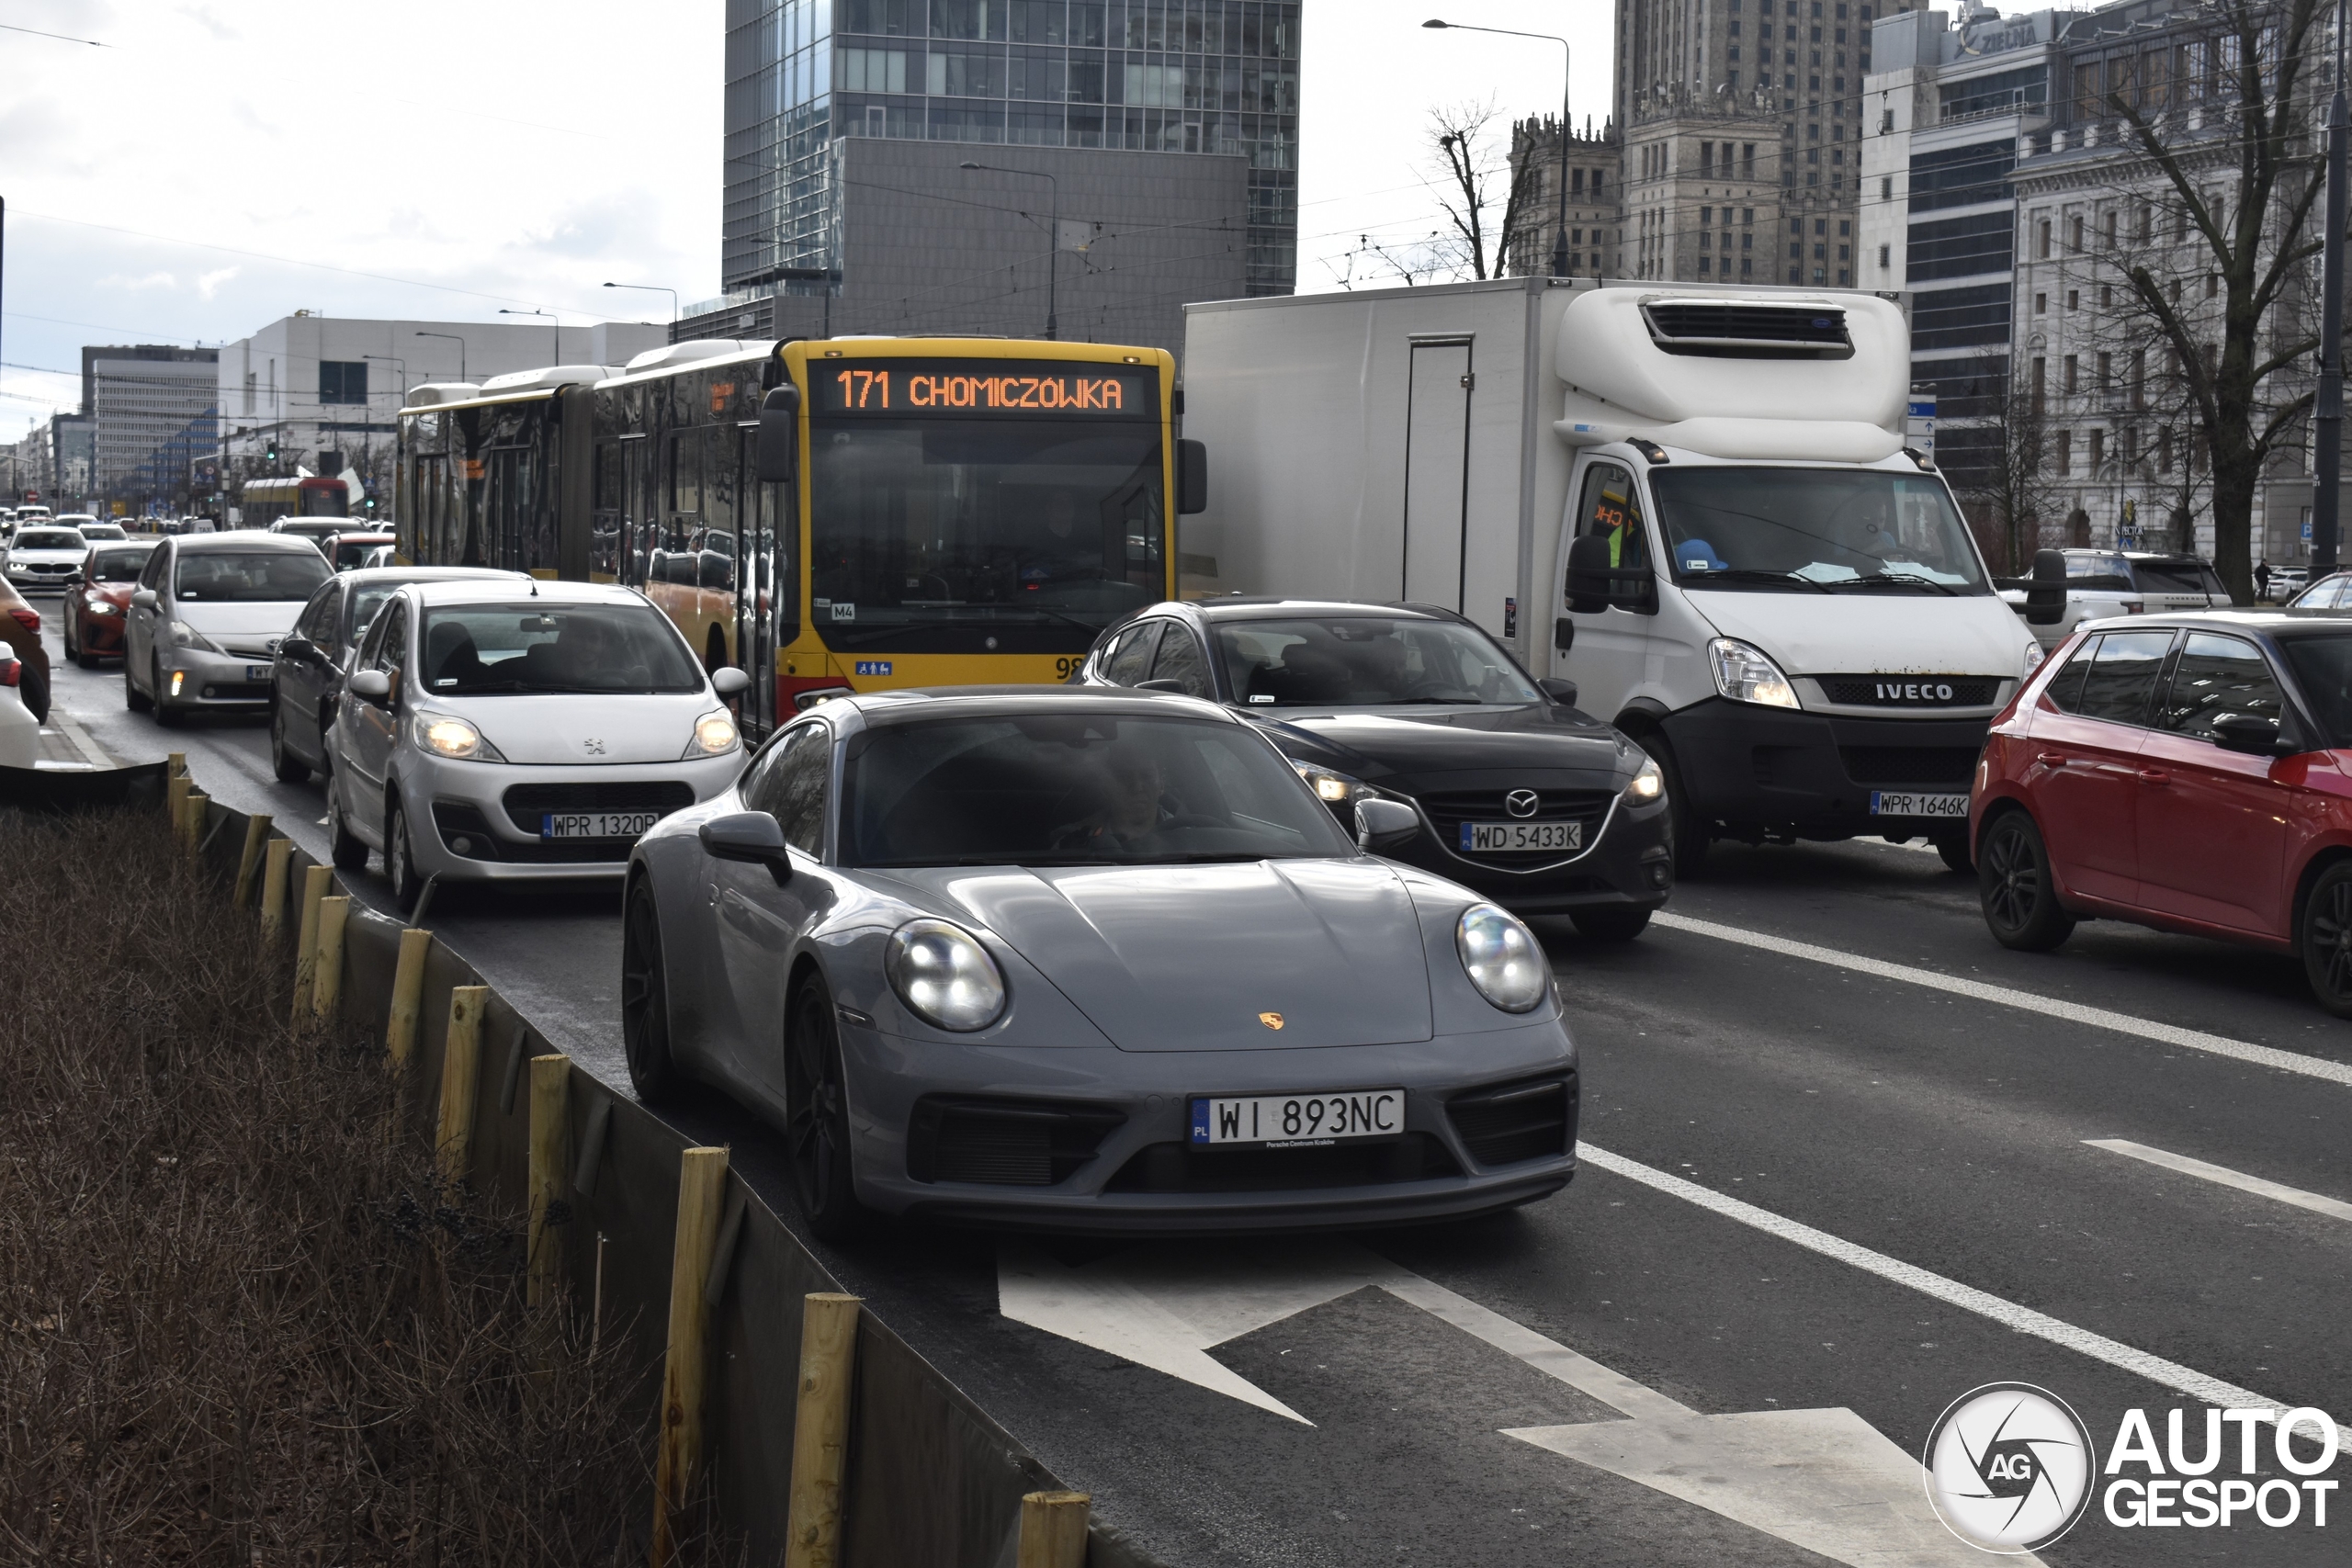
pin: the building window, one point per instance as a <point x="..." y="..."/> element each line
<point x="343" y="381"/>
<point x="2074" y="233"/>
<point x="2062" y="453"/>
<point x="2139" y="378"/>
<point x="2036" y="387"/>
<point x="2040" y="304"/>
<point x="1885" y="257"/>
<point x="1845" y="275"/>
<point x="2106" y="369"/>
<point x="2097" y="453"/>
<point x="2072" y="366"/>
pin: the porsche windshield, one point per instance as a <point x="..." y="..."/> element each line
<point x="1366" y="661"/>
<point x="1814" y="531"/>
<point x="1077" y="789"/>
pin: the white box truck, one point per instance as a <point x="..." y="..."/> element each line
<point x="1694" y="502"/>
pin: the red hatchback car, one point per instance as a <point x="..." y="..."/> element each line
<point x="2191" y="772"/>
<point x="98" y="597"/>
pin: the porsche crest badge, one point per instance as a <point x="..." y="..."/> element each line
<point x="1271" y="1020"/>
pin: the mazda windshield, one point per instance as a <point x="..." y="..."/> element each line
<point x="1814" y="531"/>
<point x="1076" y="789"/>
<point x="1339" y="661"/>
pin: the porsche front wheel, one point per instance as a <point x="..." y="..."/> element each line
<point x="816" y="1116"/>
<point x="645" y="1001"/>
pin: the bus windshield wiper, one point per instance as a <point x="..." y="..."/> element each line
<point x="1905" y="577"/>
<point x="1756" y="574"/>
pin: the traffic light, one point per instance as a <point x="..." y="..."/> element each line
<point x="273" y="452"/>
<point x="369" y="503"/>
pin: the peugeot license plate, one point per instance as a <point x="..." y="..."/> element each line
<point x="597" y="824"/>
<point x="1505" y="837"/>
<point x="1901" y="803"/>
<point x="1291" y="1121"/>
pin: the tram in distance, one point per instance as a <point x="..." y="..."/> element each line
<point x="261" y="502"/>
<point x="958" y="511"/>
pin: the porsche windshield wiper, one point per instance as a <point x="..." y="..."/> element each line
<point x="1403" y="701"/>
<point x="1756" y="574"/>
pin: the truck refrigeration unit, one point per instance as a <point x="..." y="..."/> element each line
<point x="1694" y="502"/>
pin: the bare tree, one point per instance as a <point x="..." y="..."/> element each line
<point x="1470" y="171"/>
<point x="2004" y="478"/>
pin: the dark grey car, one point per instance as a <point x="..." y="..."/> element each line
<point x="1088" y="960"/>
<point x="307" y="667"/>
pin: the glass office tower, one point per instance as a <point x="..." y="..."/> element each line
<point x="1139" y="76"/>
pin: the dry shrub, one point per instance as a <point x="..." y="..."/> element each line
<point x="238" y="1324"/>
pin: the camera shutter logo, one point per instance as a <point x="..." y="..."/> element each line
<point x="2009" y="1468"/>
<point x="1522" y="802"/>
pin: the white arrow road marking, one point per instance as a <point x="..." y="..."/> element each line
<point x="2072" y="1012"/>
<point x="2335" y="1208"/>
<point x="1824" y="1480"/>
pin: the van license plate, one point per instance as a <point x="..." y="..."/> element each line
<point x="1507" y="838"/>
<point x="1899" y="803"/>
<point x="597" y="824"/>
<point x="1292" y="1121"/>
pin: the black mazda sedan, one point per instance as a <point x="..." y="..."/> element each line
<point x="1541" y="806"/>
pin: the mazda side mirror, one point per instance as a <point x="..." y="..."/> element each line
<point x="370" y="685"/>
<point x="2250" y="733"/>
<point x="2045" y="600"/>
<point x="1384" y="825"/>
<point x="754" y="838"/>
<point x="730" y="682"/>
<point x="1561" y="691"/>
<point x="143" y="600"/>
<point x="779" y="436"/>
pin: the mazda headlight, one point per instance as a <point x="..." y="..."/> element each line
<point x="446" y="735"/>
<point x="945" y="976"/>
<point x="714" y="736"/>
<point x="182" y="634"/>
<point x="1502" y="959"/>
<point x="1331" y="788"/>
<point x="1745" y="674"/>
<point x="1646" y="786"/>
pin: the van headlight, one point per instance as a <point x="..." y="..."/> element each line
<point x="945" y="976"/>
<point x="1647" y="785"/>
<point x="1745" y="674"/>
<point x="2033" y="658"/>
<point x="714" y="736"/>
<point x="446" y="735"/>
<point x="1502" y="959"/>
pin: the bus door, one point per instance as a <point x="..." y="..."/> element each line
<point x="609" y="515"/>
<point x="765" y="586"/>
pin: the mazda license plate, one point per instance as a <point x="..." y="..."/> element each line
<point x="1298" y="1120"/>
<point x="1509" y="838"/>
<point x="1901" y="803"/>
<point x="597" y="824"/>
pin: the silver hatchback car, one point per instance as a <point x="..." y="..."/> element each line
<point x="510" y="731"/>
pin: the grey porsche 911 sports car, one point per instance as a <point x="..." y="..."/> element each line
<point x="1093" y="961"/>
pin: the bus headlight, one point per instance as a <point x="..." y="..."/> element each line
<point x="714" y="736"/>
<point x="1502" y="959"/>
<point x="945" y="976"/>
<point x="1745" y="674"/>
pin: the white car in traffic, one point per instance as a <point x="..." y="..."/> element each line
<point x="44" y="555"/>
<point x="19" y="730"/>
<point x="206" y="618"/>
<point x="496" y="733"/>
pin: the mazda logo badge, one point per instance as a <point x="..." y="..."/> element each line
<point x="1522" y="802"/>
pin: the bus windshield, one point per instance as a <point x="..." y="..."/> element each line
<point x="982" y="536"/>
<point x="1815" y="530"/>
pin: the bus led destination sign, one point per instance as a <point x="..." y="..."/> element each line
<point x="983" y="387"/>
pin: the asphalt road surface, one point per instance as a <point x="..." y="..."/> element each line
<point x="1843" y="1155"/>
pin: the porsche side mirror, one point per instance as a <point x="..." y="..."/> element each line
<point x="1383" y="825"/>
<point x="143" y="600"/>
<point x="2045" y="600"/>
<point x="730" y="682"/>
<point x="754" y="838"/>
<point x="779" y="438"/>
<point x="1164" y="684"/>
<point x="1561" y="691"/>
<point x="2249" y="733"/>
<point x="370" y="685"/>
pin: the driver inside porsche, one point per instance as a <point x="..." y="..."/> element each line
<point x="1133" y="811"/>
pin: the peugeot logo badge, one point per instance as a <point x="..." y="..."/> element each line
<point x="1522" y="802"/>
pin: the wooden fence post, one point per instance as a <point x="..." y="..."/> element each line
<point x="272" y="890"/>
<point x="702" y="1182"/>
<point x="326" y="974"/>
<point x="460" y="1061"/>
<point x="821" y="1430"/>
<point x="316" y="880"/>
<point x="550" y="1162"/>
<point x="192" y="806"/>
<point x="1052" y="1530"/>
<point x="176" y="784"/>
<point x="408" y="997"/>
<point x="249" y="863"/>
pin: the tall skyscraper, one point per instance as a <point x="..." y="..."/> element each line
<point x="1039" y="91"/>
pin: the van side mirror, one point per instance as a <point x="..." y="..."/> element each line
<point x="2045" y="600"/>
<point x="1384" y="825"/>
<point x="1192" y="478"/>
<point x="779" y="437"/>
<point x="1593" y="584"/>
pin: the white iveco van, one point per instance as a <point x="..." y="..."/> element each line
<point x="1762" y="585"/>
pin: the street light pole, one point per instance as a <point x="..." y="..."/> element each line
<point x="1053" y="237"/>
<point x="2327" y="422"/>
<point x="1567" y="60"/>
<point x="551" y="316"/>
<point x="461" y="349"/>
<point x="654" y="288"/>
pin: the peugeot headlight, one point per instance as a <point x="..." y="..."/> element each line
<point x="1646" y="786"/>
<point x="1331" y="788"/>
<point x="715" y="734"/>
<point x="1501" y="958"/>
<point x="185" y="636"/>
<point x="1745" y="674"/>
<point x="945" y="976"/>
<point x="446" y="735"/>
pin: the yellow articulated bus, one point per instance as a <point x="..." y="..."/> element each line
<point x="959" y="511"/>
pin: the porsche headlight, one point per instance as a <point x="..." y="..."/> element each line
<point x="1745" y="674"/>
<point x="1502" y="959"/>
<point x="446" y="735"/>
<point x="185" y="636"/>
<point x="1646" y="786"/>
<point x="715" y="734"/>
<point x="1331" y="788"/>
<point x="945" y="976"/>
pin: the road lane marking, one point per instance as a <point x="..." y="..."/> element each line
<point x="2028" y="1001"/>
<point x="2335" y="1208"/>
<point x="1968" y="1298"/>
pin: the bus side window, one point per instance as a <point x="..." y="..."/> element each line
<point x="685" y="472"/>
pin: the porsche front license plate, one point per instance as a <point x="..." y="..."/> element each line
<point x="597" y="824"/>
<point x="1505" y="837"/>
<point x="1900" y="803"/>
<point x="1294" y="1121"/>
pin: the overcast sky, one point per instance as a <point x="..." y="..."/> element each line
<point x="216" y="166"/>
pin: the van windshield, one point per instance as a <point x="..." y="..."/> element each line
<point x="1814" y="531"/>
